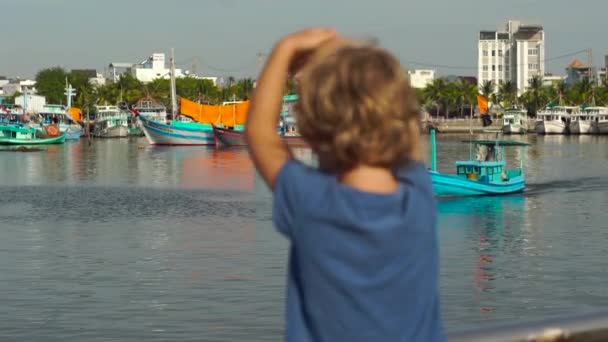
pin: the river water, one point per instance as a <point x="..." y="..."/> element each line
<point x="121" y="241"/>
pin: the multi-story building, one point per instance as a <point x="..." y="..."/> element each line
<point x="147" y="71"/>
<point x="516" y="54"/>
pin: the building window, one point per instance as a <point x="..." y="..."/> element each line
<point x="499" y="53"/>
<point x="506" y="68"/>
<point x="499" y="82"/>
<point x="532" y="66"/>
<point x="532" y="52"/>
<point x="493" y="53"/>
<point x="499" y="67"/>
<point x="493" y="67"/>
<point x="485" y="68"/>
<point x="485" y="53"/>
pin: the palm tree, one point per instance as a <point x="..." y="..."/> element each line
<point x="507" y="93"/>
<point x="487" y="89"/>
<point x="436" y="93"/>
<point x="535" y="89"/>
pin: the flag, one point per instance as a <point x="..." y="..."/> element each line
<point x="483" y="104"/>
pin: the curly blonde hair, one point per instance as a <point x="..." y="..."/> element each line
<point x="357" y="107"/>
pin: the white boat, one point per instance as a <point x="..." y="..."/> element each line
<point x="111" y="122"/>
<point x="58" y="114"/>
<point x="180" y="130"/>
<point x="584" y="122"/>
<point x="515" y="121"/>
<point x="600" y="122"/>
<point x="554" y="120"/>
<point x="151" y="110"/>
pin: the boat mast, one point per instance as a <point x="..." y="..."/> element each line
<point x="173" y="94"/>
<point x="69" y="92"/>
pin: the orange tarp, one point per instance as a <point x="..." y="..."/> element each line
<point x="227" y="115"/>
<point x="76" y="114"/>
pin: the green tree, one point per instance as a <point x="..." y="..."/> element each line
<point x="50" y="83"/>
<point x="487" y="89"/>
<point x="85" y="92"/>
<point x="507" y="92"/>
<point x="436" y="93"/>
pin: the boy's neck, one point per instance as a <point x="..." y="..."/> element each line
<point x="370" y="179"/>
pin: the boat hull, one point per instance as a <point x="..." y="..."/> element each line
<point x="451" y="185"/>
<point x="163" y="134"/>
<point x="602" y="127"/>
<point x="581" y="127"/>
<point x="44" y="141"/>
<point x="229" y="137"/>
<point x="513" y="129"/>
<point x="114" y="132"/>
<point x="550" y="127"/>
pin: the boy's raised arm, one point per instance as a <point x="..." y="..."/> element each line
<point x="268" y="152"/>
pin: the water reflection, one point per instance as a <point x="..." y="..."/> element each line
<point x="492" y="227"/>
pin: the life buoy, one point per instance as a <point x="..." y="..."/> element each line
<point x="52" y="130"/>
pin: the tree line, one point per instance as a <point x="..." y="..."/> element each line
<point x="459" y="98"/>
<point x="51" y="83"/>
<point x="440" y="98"/>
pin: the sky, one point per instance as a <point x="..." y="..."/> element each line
<point x="224" y="37"/>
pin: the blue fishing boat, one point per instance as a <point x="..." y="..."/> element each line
<point x="486" y="174"/>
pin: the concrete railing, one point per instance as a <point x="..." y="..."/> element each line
<point x="588" y="327"/>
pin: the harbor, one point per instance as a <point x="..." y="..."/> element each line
<point x="165" y="243"/>
<point x="148" y="190"/>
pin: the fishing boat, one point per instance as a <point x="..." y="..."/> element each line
<point x="111" y="122"/>
<point x="287" y="128"/>
<point x="583" y="122"/>
<point x="236" y="137"/>
<point x="554" y="119"/>
<point x="515" y="121"/>
<point x="58" y="114"/>
<point x="24" y="135"/>
<point x="149" y="108"/>
<point x="177" y="131"/>
<point x="600" y="119"/>
<point x="485" y="173"/>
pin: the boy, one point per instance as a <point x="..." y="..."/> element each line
<point x="364" y="259"/>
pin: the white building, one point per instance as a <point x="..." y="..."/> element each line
<point x="516" y="54"/>
<point x="147" y="71"/>
<point x="421" y="78"/>
<point x="552" y="80"/>
<point x="18" y="86"/>
<point x="34" y="103"/>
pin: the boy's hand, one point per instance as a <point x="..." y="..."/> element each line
<point x="301" y="45"/>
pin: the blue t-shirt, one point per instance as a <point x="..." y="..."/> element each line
<point x="363" y="266"/>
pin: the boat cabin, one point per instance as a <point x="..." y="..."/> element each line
<point x="558" y="113"/>
<point x="514" y="117"/>
<point x="15" y="132"/>
<point x="596" y="113"/>
<point x="489" y="164"/>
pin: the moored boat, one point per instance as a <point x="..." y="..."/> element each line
<point x="486" y="174"/>
<point x="554" y="119"/>
<point x="582" y="122"/>
<point x="515" y="121"/>
<point x="236" y="137"/>
<point x="58" y="114"/>
<point x="600" y="121"/>
<point x="177" y="133"/>
<point x="24" y="135"/>
<point x="111" y="122"/>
